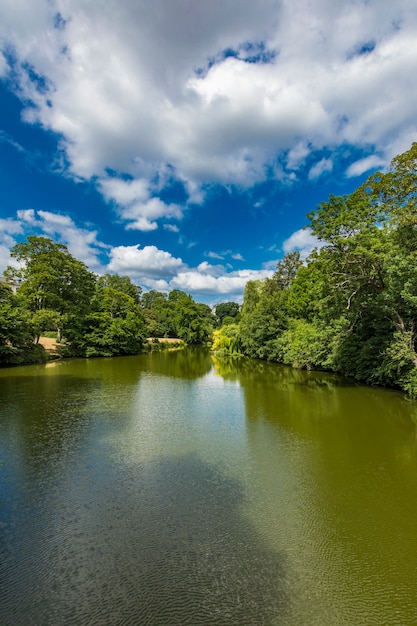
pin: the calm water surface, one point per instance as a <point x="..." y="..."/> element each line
<point x="173" y="488"/>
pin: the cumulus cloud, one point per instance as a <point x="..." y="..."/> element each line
<point x="10" y="226"/>
<point x="205" y="283"/>
<point x="157" y="269"/>
<point x="133" y="86"/>
<point x="149" y="266"/>
<point x="135" y="204"/>
<point x="302" y="240"/>
<point x="124" y="192"/>
<point x="143" y="263"/>
<point x="82" y="243"/>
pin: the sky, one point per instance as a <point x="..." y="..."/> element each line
<point x="183" y="142"/>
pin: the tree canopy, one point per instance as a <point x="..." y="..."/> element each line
<point x="226" y="310"/>
<point x="352" y="306"/>
<point x="94" y="315"/>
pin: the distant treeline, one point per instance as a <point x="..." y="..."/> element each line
<point x="351" y="307"/>
<point x="90" y="315"/>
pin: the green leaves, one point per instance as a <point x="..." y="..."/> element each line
<point x="51" y="277"/>
<point x="226" y="310"/>
<point x="352" y="307"/>
<point x="178" y="315"/>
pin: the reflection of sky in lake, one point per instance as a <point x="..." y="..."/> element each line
<point x="168" y="416"/>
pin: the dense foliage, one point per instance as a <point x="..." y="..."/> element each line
<point x="227" y="313"/>
<point x="352" y="306"/>
<point x="90" y="315"/>
<point x="177" y="315"/>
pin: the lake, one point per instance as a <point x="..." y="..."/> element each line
<point x="174" y="488"/>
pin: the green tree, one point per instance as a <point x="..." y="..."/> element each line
<point x="265" y="310"/>
<point x="226" y="340"/>
<point x="120" y="283"/>
<point x="194" y="321"/>
<point x="352" y="307"/>
<point x="159" y="313"/>
<point x="115" y="325"/>
<point x="227" y="309"/>
<point x="369" y="264"/>
<point x="51" y="278"/>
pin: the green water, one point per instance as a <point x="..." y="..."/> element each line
<point x="174" y="489"/>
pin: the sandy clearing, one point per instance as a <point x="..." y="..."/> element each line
<point x="49" y="344"/>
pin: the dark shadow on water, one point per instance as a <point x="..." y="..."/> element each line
<point x="164" y="544"/>
<point x="251" y="371"/>
<point x="40" y="416"/>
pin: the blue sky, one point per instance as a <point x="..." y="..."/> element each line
<point x="182" y="143"/>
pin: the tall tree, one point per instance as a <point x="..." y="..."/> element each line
<point x="114" y="325"/>
<point x="370" y="263"/>
<point x="265" y="310"/>
<point x="51" y="278"/>
<point x="194" y="321"/>
<point x="120" y="283"/>
<point x="226" y="309"/>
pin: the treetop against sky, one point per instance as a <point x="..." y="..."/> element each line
<point x="183" y="144"/>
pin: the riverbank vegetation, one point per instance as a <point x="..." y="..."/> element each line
<point x="91" y="315"/>
<point x="351" y="306"/>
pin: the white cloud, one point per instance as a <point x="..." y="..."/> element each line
<point x="143" y="90"/>
<point x="302" y="240"/>
<point x="149" y="266"/>
<point x="297" y="155"/>
<point x="5" y="258"/>
<point x="4" y="66"/>
<point x="82" y="243"/>
<point x="143" y="263"/>
<point x="159" y="284"/>
<point x="124" y="93"/>
<point x="173" y="228"/>
<point x="211" y="270"/>
<point x="215" y="255"/>
<point x="27" y="215"/>
<point x="325" y="165"/>
<point x="135" y="205"/>
<point x="225" y="253"/>
<point x="271" y="265"/>
<point x="9" y="228"/>
<point x="124" y="192"/>
<point x="157" y="269"/>
<point x="203" y="282"/>
<point x="364" y="165"/>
